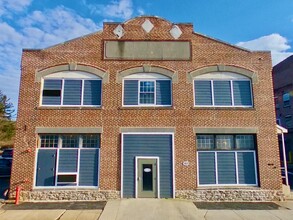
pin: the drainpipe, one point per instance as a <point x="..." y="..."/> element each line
<point x="284" y="159"/>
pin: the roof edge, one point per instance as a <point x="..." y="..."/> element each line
<point x="67" y="41"/>
<point x="224" y="42"/>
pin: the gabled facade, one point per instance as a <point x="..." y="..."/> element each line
<point x="146" y="108"/>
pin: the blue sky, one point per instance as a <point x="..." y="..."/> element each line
<point x="256" y="25"/>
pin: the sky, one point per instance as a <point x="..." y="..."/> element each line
<point x="37" y="24"/>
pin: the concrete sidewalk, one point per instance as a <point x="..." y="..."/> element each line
<point x="52" y="211"/>
<point x="145" y="209"/>
<point x="57" y="214"/>
<point x="157" y="209"/>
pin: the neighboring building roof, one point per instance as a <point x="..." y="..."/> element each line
<point x="283" y="73"/>
<point x="287" y="63"/>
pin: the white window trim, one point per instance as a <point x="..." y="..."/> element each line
<point x="138" y="84"/>
<point x="62" y="173"/>
<point x="173" y="159"/>
<point x="236" y="168"/>
<point x="57" y="173"/>
<point x="62" y="92"/>
<point x="232" y="94"/>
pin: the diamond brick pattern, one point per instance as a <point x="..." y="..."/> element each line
<point x="119" y="31"/>
<point x="147" y="26"/>
<point x="175" y="32"/>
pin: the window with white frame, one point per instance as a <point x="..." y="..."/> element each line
<point x="147" y="89"/>
<point x="222" y="89"/>
<point x="68" y="160"/>
<point x="226" y="159"/>
<point x="146" y="92"/>
<point x="71" y="89"/>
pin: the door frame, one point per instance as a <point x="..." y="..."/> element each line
<point x="158" y="174"/>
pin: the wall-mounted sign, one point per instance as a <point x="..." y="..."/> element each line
<point x="185" y="163"/>
<point x="147" y="50"/>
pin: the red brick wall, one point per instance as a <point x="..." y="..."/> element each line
<point x="88" y="50"/>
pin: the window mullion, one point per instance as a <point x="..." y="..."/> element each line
<point x="82" y="91"/>
<point x="138" y="90"/>
<point x="236" y="165"/>
<point x="80" y="141"/>
<point x="62" y="91"/>
<point x="59" y="141"/>
<point x="232" y="92"/>
<point x="216" y="167"/>
<point x="212" y="88"/>
<point x="155" y="92"/>
<point x="78" y="166"/>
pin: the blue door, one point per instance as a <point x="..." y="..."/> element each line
<point x="46" y="168"/>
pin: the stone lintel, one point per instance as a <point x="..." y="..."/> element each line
<point x="147" y="130"/>
<point x="72" y="67"/>
<point x="72" y="130"/>
<point x="222" y="68"/>
<point x="222" y="130"/>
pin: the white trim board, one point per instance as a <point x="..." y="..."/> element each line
<point x="148" y="133"/>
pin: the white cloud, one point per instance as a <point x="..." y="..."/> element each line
<point x="63" y="25"/>
<point x="37" y="30"/>
<point x="8" y="34"/>
<point x="8" y="6"/>
<point x="122" y="9"/>
<point x="140" y="11"/>
<point x="275" y="43"/>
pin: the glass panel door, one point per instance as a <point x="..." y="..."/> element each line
<point x="147" y="178"/>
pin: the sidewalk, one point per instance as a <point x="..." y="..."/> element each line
<point x="52" y="211"/>
<point x="157" y="209"/>
<point x="145" y="209"/>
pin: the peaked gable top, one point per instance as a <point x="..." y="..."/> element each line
<point x="147" y="28"/>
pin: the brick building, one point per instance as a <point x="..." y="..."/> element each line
<point x="283" y="90"/>
<point x="146" y="108"/>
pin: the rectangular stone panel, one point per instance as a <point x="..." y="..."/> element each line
<point x="147" y="50"/>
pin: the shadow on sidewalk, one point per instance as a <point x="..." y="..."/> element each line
<point x="238" y="206"/>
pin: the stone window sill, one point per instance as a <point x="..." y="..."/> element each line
<point x="146" y="108"/>
<point x="224" y="108"/>
<point x="228" y="187"/>
<point x="70" y="107"/>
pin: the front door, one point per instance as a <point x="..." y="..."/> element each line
<point x="147" y="178"/>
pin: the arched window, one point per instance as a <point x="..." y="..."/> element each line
<point x="147" y="89"/>
<point x="222" y="89"/>
<point x="71" y="88"/>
